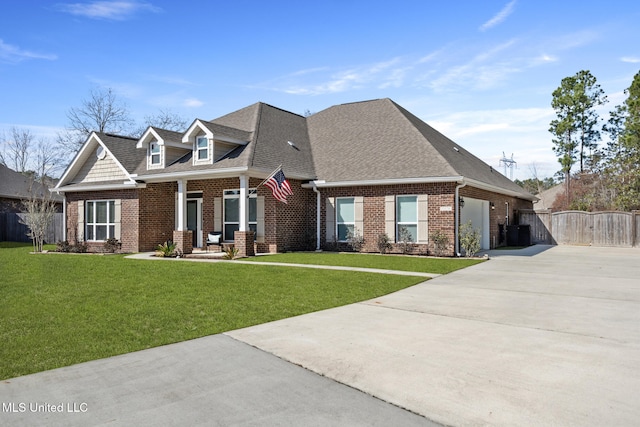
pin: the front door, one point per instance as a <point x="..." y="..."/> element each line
<point x="193" y="221"/>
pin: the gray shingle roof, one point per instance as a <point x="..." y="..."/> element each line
<point x="14" y="185"/>
<point x="363" y="141"/>
<point x="375" y="140"/>
<point x="124" y="149"/>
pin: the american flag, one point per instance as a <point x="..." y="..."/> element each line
<point x="279" y="186"/>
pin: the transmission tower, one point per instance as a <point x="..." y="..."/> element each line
<point x="508" y="163"/>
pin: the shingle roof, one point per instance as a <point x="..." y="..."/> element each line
<point x="124" y="149"/>
<point x="363" y="141"/>
<point x="376" y="140"/>
<point x="14" y="185"/>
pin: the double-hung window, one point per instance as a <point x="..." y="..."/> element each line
<point x="345" y="217"/>
<point x="232" y="212"/>
<point x="154" y="151"/>
<point x="407" y="218"/>
<point x="100" y="219"/>
<point x="202" y="148"/>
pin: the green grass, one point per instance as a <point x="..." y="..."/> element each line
<point x="62" y="309"/>
<point x="386" y="262"/>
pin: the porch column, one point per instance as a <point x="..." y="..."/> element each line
<point x="182" y="237"/>
<point x="244" y="238"/>
<point x="182" y="205"/>
<point x="244" y="203"/>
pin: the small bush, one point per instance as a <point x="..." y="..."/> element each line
<point x="355" y="239"/>
<point x="67" y="247"/>
<point x="440" y="242"/>
<point x="112" y="245"/>
<point x="469" y="239"/>
<point x="405" y="240"/>
<point x="384" y="243"/>
<point x="167" y="249"/>
<point x="231" y="252"/>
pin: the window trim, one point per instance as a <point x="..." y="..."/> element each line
<point x="152" y="154"/>
<point x="199" y="149"/>
<point x="111" y="222"/>
<point x="235" y="194"/>
<point x="402" y="223"/>
<point x="337" y="216"/>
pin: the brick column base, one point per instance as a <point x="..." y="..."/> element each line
<point x="183" y="241"/>
<point x="244" y="243"/>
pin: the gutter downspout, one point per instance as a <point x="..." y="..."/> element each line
<point x="315" y="190"/>
<point x="456" y="217"/>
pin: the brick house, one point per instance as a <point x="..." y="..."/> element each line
<point x="368" y="166"/>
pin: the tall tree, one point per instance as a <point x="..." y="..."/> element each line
<point x="101" y="112"/>
<point x="575" y="128"/>
<point x="623" y="152"/>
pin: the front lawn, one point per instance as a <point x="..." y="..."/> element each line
<point x="386" y="262"/>
<point x="62" y="309"/>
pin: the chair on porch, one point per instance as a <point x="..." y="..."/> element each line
<point x="214" y="239"/>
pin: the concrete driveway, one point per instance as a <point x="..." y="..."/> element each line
<point x="542" y="336"/>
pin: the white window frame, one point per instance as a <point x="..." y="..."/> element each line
<point x="90" y="223"/>
<point x="235" y="194"/>
<point x="198" y="149"/>
<point x="153" y="153"/>
<point x="347" y="223"/>
<point x="399" y="223"/>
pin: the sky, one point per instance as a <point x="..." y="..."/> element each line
<point x="481" y="72"/>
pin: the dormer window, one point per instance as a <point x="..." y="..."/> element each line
<point x="154" y="151"/>
<point x="202" y="148"/>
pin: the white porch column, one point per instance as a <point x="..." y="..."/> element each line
<point x="244" y="203"/>
<point x="182" y="205"/>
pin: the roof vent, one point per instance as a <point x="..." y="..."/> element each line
<point x="456" y="149"/>
<point x="293" y="145"/>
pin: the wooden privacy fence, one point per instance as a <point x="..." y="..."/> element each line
<point x="12" y="230"/>
<point x="583" y="228"/>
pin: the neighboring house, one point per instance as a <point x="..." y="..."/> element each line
<point x="16" y="187"/>
<point x="370" y="166"/>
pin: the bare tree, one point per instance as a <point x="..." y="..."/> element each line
<point x="164" y="119"/>
<point x="17" y="148"/>
<point x="101" y="112"/>
<point x="39" y="213"/>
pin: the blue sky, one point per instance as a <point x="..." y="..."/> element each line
<point x="481" y="72"/>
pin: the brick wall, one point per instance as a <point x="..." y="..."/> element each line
<point x="441" y="207"/>
<point x="129" y="217"/>
<point x="288" y="226"/>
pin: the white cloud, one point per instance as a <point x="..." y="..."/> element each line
<point x="499" y="17"/>
<point x="13" y="54"/>
<point x="192" y="103"/>
<point x="630" y="59"/>
<point x="109" y="10"/>
<point x="381" y="74"/>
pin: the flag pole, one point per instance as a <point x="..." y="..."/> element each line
<point x="270" y="176"/>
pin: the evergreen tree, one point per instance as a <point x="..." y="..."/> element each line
<point x="623" y="152"/>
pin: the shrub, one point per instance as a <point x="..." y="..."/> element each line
<point x="440" y="242"/>
<point x="112" y="245"/>
<point x="67" y="247"/>
<point x="469" y="239"/>
<point x="355" y="239"/>
<point x="231" y="252"/>
<point x="405" y="240"/>
<point x="167" y="249"/>
<point x="384" y="243"/>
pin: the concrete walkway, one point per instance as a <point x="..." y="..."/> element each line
<point x="542" y="336"/>
<point x="205" y="258"/>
